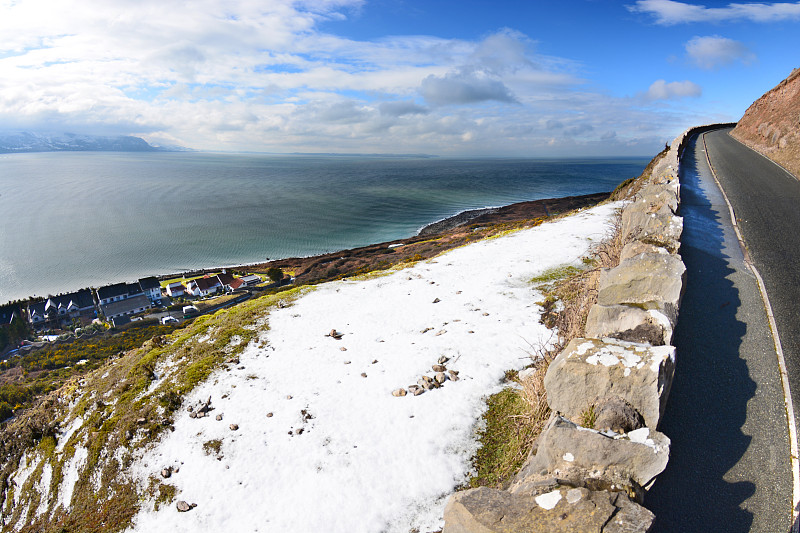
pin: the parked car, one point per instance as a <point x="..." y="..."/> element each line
<point x="189" y="311"/>
<point x="169" y="320"/>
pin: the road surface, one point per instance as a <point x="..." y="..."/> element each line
<point x="729" y="468"/>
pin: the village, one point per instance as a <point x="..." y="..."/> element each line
<point x="167" y="300"/>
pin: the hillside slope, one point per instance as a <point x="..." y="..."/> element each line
<point x="772" y="124"/>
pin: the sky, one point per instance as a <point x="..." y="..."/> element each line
<point x="462" y="78"/>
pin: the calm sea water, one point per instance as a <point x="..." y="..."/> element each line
<point x="71" y="220"/>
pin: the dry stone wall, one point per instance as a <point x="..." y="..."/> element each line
<point x="593" y="479"/>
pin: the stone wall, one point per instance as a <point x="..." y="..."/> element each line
<point x="579" y="479"/>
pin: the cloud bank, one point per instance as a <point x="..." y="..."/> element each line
<point x="264" y="76"/>
<point x="669" y="12"/>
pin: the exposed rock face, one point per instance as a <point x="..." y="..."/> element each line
<point x="649" y="281"/>
<point x="591" y="371"/>
<point x="563" y="509"/>
<point x="772" y="124"/>
<point x="629" y="323"/>
<point x="582" y="456"/>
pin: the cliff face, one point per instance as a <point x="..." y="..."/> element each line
<point x="772" y="124"/>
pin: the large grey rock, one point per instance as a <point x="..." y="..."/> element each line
<point x="628" y="323"/>
<point x="659" y="227"/>
<point x="655" y="197"/>
<point x="649" y="281"/>
<point x="582" y="456"/>
<point x="636" y="247"/>
<point x="564" y="509"/>
<point x="590" y="371"/>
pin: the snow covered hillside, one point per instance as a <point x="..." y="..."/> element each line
<point x="311" y="437"/>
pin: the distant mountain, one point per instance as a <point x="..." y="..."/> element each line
<point x="772" y="124"/>
<point x="17" y="142"/>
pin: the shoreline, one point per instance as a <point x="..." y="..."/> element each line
<point x="456" y="224"/>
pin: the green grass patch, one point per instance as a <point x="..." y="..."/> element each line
<point x="555" y="274"/>
<point x="505" y="440"/>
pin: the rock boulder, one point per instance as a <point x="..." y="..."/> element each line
<point x="590" y="371"/>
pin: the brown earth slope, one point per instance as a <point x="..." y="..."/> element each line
<point x="772" y="124"/>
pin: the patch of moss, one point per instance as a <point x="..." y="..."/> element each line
<point x="555" y="274"/>
<point x="504" y="442"/>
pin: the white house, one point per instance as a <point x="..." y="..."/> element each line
<point x="203" y="286"/>
<point x="175" y="289"/>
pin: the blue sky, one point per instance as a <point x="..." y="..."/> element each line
<point x="453" y="78"/>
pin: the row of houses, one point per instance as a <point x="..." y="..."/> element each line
<point x="114" y="301"/>
<point x="120" y="301"/>
<point x="207" y="285"/>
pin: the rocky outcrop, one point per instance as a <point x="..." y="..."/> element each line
<point x="590" y="371"/>
<point x="601" y="451"/>
<point x="772" y="124"/>
<point x="557" y="509"/>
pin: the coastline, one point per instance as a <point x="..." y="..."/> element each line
<point x="332" y="265"/>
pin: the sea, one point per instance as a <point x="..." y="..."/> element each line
<point x="70" y="220"/>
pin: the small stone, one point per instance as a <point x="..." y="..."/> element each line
<point x="416" y="390"/>
<point x="440" y="377"/>
<point x="399" y="392"/>
<point x="234" y="427"/>
<point x="193" y="415"/>
<point x="363" y="374"/>
<point x="342" y="349"/>
<point x="439" y="368"/>
<point x="426" y="330"/>
<point x="443" y="359"/>
<point x="289" y="397"/>
<point x="436" y="301"/>
<point x="166" y="472"/>
<point x="141" y="421"/>
<point x="375" y="361"/>
<point x="194" y="505"/>
<point x="183" y="506"/>
<point x="453" y="375"/>
<point x="269" y="415"/>
<point x="347" y="362"/>
<point x="485" y="314"/>
<point x="219" y="417"/>
<point x="190" y="408"/>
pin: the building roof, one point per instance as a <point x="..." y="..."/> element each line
<point x="81" y="299"/>
<point x="149" y="283"/>
<point x="204" y="284"/>
<point x="125" y="306"/>
<point x="175" y="284"/>
<point x="8" y="312"/>
<point x="112" y="291"/>
<point x="225" y="278"/>
<point x="235" y="284"/>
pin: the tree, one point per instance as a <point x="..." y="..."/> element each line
<point x="275" y="274"/>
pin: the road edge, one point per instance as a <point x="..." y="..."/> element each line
<point x="787" y="396"/>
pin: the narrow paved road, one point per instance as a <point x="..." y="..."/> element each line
<point x="766" y="200"/>
<point x="729" y="468"/>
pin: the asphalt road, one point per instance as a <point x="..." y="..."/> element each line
<point x="729" y="468"/>
<point x="766" y="200"/>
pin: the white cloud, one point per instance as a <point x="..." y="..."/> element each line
<point x="464" y="88"/>
<point x="661" y="90"/>
<point x="669" y="12"/>
<point x="715" y="51"/>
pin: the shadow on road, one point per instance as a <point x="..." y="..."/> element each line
<point x="708" y="402"/>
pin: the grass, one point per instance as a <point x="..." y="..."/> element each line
<point x="123" y="410"/>
<point x="513" y="420"/>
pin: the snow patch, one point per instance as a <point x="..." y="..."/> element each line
<point x="549" y="500"/>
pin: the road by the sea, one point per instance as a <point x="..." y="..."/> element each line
<point x="77" y="219"/>
<point x="729" y="468"/>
